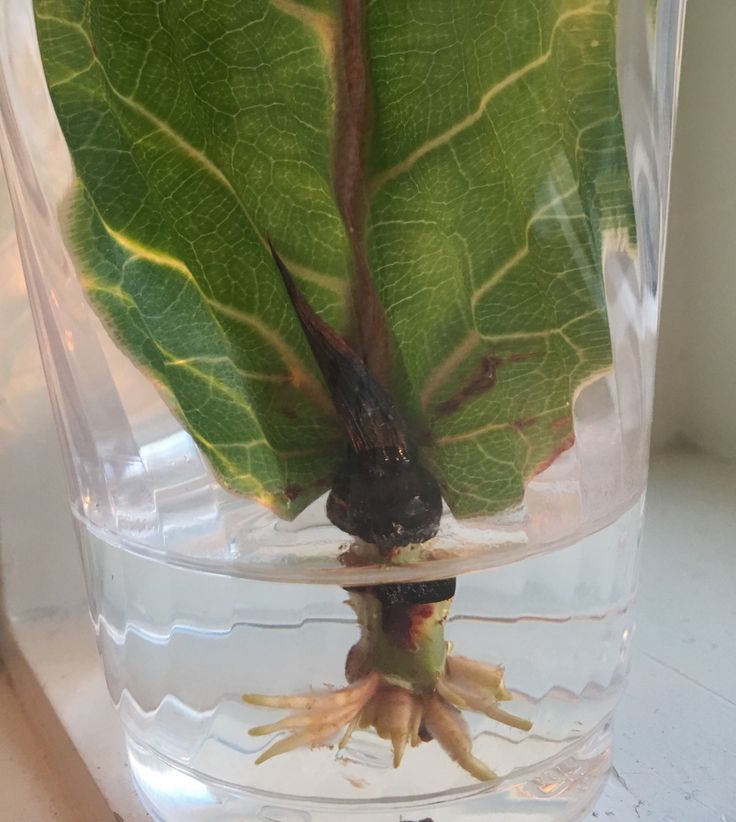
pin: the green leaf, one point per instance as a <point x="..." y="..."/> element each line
<point x="498" y="163"/>
<point x="495" y="168"/>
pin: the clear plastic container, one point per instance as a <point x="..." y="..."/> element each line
<point x="199" y="595"/>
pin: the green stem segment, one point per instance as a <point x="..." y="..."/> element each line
<point x="403" y="642"/>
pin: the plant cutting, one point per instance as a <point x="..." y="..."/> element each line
<point x="347" y="269"/>
<point x="350" y="294"/>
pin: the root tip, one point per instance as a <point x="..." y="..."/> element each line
<point x="481" y="771"/>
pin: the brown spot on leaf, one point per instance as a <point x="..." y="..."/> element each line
<point x="568" y="442"/>
<point x="291" y="492"/>
<point x="483" y="379"/>
<point x="527" y="355"/>
<point x="523" y="425"/>
<point x="561" y="423"/>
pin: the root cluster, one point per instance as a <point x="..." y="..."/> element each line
<point x="396" y="713"/>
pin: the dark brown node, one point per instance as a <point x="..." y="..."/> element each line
<point x="381" y="493"/>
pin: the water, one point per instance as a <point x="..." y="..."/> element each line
<point x="181" y="645"/>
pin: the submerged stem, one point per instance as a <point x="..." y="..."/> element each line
<point x="403" y="684"/>
<point x="403" y="642"/>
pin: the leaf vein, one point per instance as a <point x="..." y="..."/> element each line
<point x="189" y="150"/>
<point x="471" y="119"/>
<point x="300" y="375"/>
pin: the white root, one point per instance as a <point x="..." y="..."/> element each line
<point x="368" y="715"/>
<point x="358" y="693"/>
<point x="349" y="732"/>
<point x="505" y="718"/>
<point x="471" y="699"/>
<point x="395" y="713"/>
<point x="305" y="720"/>
<point x="415" y="723"/>
<point x="394" y="708"/>
<point x="311" y="737"/>
<point x="448" y="727"/>
<point x="322" y="715"/>
<point x="469" y="671"/>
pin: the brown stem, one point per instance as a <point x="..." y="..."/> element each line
<point x="381" y="493"/>
<point x="369" y="333"/>
<point x="372" y="423"/>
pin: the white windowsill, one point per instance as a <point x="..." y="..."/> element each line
<point x="675" y="725"/>
<point x="31" y="789"/>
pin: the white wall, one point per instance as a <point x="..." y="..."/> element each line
<point x="696" y="380"/>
